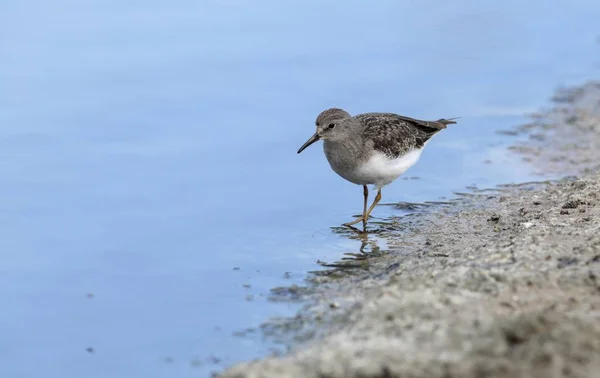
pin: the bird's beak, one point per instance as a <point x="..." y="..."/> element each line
<point x="310" y="141"/>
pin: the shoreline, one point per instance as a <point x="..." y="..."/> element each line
<point x="503" y="283"/>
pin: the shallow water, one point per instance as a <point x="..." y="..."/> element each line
<point x="150" y="190"/>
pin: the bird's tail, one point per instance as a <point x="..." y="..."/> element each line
<point x="448" y="121"/>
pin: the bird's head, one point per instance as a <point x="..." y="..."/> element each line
<point x="328" y="126"/>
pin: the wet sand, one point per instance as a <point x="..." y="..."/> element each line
<point x="501" y="283"/>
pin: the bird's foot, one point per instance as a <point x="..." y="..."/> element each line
<point x="360" y="219"/>
<point x="357" y="220"/>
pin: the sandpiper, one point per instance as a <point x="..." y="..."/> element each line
<point x="372" y="148"/>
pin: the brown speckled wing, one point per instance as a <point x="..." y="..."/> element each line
<point x="395" y="135"/>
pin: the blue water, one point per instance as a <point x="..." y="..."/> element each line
<point x="148" y="151"/>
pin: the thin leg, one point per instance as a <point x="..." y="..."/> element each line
<point x="366" y="194"/>
<point x="375" y="202"/>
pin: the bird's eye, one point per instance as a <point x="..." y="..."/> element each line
<point x="331" y="125"/>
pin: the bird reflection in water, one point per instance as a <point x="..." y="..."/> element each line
<point x="370" y="247"/>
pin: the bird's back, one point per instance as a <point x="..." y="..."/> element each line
<point x="396" y="135"/>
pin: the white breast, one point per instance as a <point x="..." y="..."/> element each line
<point x="381" y="170"/>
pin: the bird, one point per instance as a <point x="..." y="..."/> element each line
<point x="372" y="148"/>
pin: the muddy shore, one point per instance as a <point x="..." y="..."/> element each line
<point x="501" y="283"/>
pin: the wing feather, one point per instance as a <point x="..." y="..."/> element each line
<point x="396" y="135"/>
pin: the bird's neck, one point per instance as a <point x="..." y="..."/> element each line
<point x="346" y="152"/>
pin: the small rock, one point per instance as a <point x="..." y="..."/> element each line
<point x="566" y="261"/>
<point x="494" y="218"/>
<point x="572" y="204"/>
<point x="564" y="212"/>
<point x="594" y="259"/>
<point x="392" y="267"/>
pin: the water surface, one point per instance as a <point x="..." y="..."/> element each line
<point x="150" y="191"/>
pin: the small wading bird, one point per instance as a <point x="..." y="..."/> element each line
<point x="372" y="148"/>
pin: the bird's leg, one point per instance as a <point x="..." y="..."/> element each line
<point x="363" y="219"/>
<point x="375" y="202"/>
<point x="366" y="193"/>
